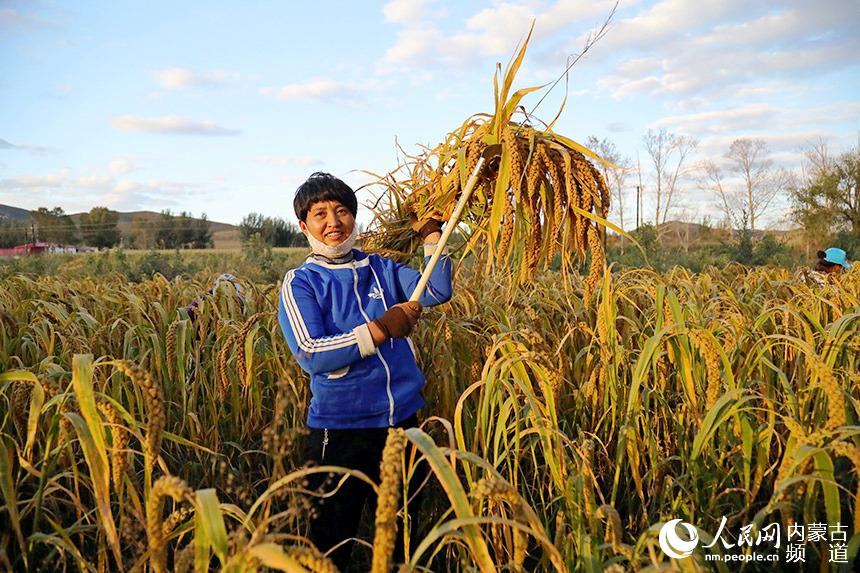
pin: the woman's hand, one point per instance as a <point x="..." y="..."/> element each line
<point x="427" y="228"/>
<point x="397" y="322"/>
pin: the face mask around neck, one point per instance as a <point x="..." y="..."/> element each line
<point x="333" y="252"/>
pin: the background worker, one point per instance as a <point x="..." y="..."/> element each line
<point x="346" y="319"/>
<point x="832" y="260"/>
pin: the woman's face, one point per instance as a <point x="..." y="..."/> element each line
<point x="329" y="221"/>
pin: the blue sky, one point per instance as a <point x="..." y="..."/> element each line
<point x="225" y="108"/>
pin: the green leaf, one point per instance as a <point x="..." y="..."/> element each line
<point x="457" y="496"/>
<point x="212" y="522"/>
<point x="824" y="471"/>
<point x="99" y="473"/>
<point x="248" y="349"/>
<point x="273" y="556"/>
<point x="499" y="196"/>
<point x="18" y="375"/>
<point x="725" y="406"/>
<point x="511" y="106"/>
<point x="10" y="497"/>
<point x="37" y="399"/>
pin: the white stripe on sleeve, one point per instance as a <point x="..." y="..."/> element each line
<point x="303" y="338"/>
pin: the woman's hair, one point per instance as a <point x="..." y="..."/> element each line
<point x="323" y="187"/>
<point x="823" y="266"/>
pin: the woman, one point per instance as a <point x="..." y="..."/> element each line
<point x="346" y="319"/>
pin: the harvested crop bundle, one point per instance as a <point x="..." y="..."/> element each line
<point x="540" y="198"/>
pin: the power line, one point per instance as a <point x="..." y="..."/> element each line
<point x="87" y="225"/>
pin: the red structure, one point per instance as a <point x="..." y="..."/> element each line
<point x="36" y="249"/>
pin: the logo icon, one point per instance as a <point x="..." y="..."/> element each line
<point x="375" y="293"/>
<point x="672" y="545"/>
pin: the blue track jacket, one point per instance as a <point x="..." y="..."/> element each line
<point x="324" y="312"/>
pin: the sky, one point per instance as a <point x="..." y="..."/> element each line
<point x="224" y="108"/>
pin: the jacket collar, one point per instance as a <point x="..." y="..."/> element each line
<point x="354" y="259"/>
<point x="347" y="258"/>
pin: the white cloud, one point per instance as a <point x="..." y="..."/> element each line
<point x="95" y="182"/>
<point x="784" y="145"/>
<point x="721" y="121"/>
<point x="82" y="191"/>
<point x="785" y="130"/>
<point x="126" y="186"/>
<point x="322" y="90"/>
<point x="31" y="182"/>
<point x="121" y="165"/>
<point x="727" y="48"/>
<point x="490" y="32"/>
<point x="34" y="149"/>
<point x="412" y="45"/>
<point x="171" y="125"/>
<point x="405" y="11"/>
<point x="181" y="78"/>
<point x="655" y="27"/>
<point x="757" y="117"/>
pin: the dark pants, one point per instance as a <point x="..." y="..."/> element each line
<point x="338" y="516"/>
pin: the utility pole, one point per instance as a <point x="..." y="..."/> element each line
<point x="637" y="206"/>
<point x="33" y="230"/>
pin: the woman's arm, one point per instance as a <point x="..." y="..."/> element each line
<point x="439" y="287"/>
<point x="303" y="326"/>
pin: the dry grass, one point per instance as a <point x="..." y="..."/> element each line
<point x="614" y="416"/>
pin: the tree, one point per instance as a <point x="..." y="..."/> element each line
<point x="166" y="232"/>
<point x="615" y="177"/>
<point x="14" y="233"/>
<point x="748" y="183"/>
<point x="143" y="230"/>
<point x="202" y="233"/>
<point x="273" y="230"/>
<point x="828" y="200"/>
<point x="54" y="226"/>
<point x="668" y="153"/>
<point x="742" y="249"/>
<point x="99" y="227"/>
<point x="182" y="231"/>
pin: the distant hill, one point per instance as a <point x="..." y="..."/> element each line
<point x="126" y="220"/>
<point x="224" y="235"/>
<point x="8" y="213"/>
<point x="675" y="233"/>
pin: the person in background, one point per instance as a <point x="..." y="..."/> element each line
<point x="831" y="262"/>
<point x="346" y="317"/>
<point x="224" y="278"/>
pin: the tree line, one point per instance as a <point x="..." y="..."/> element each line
<point x="99" y="228"/>
<point x="169" y="231"/>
